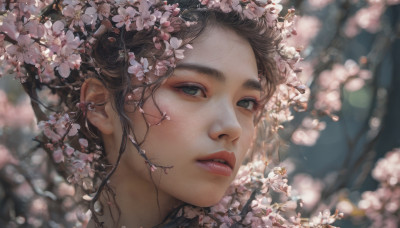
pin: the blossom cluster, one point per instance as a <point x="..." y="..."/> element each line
<point x="382" y="206"/>
<point x="368" y="18"/>
<point x="248" y="203"/>
<point x="59" y="129"/>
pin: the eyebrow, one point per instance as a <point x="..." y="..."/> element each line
<point x="217" y="75"/>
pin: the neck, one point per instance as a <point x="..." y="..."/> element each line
<point x="140" y="203"/>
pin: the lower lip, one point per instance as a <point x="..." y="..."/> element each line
<point x="215" y="168"/>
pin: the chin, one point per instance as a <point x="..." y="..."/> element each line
<point x="206" y="200"/>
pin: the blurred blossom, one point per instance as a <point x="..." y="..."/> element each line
<point x="328" y="101"/>
<point x="307" y="27"/>
<point x="319" y="4"/>
<point x="369" y="18"/>
<point x="15" y="115"/>
<point x="6" y="157"/>
<point x="306" y="75"/>
<point x="349" y="75"/>
<point x="24" y="191"/>
<point x="308" y="133"/>
<point x="351" y="29"/>
<point x="345" y="206"/>
<point x="387" y="170"/>
<point x="382" y="206"/>
<point x="308" y="189"/>
<point x="65" y="189"/>
<point x="354" y="84"/>
<point x="39" y="207"/>
<point x="392" y="2"/>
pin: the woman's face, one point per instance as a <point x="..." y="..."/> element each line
<point x="211" y="100"/>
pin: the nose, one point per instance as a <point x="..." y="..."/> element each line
<point x="225" y="124"/>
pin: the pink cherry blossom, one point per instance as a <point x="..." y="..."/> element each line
<point x="10" y="26"/>
<point x="146" y="19"/>
<point x="26" y="50"/>
<point x="124" y="17"/>
<point x="252" y="10"/>
<point x="138" y="68"/>
<point x="58" y="155"/>
<point x="83" y="142"/>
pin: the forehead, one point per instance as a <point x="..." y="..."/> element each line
<point x="222" y="49"/>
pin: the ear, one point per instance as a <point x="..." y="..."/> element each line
<point x="101" y="116"/>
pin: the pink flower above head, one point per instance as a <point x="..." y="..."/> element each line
<point x="74" y="13"/>
<point x="96" y="11"/>
<point x="103" y="11"/>
<point x="252" y="11"/>
<point x="227" y="6"/>
<point x="124" y="17"/>
<point x="138" y="68"/>
<point x="172" y="48"/>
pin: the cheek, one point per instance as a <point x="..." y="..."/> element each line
<point x="247" y="140"/>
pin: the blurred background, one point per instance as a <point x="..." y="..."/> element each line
<point x="351" y="53"/>
<point x="342" y="153"/>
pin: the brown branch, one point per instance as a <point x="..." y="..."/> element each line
<point x="8" y="38"/>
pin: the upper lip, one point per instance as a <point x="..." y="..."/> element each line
<point x="229" y="157"/>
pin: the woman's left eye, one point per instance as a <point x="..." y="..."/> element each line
<point x="249" y="104"/>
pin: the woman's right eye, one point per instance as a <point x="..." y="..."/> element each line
<point x="192" y="90"/>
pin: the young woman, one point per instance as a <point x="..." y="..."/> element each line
<point x="169" y="101"/>
<point x="212" y="100"/>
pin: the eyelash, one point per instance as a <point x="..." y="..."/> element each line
<point x="254" y="107"/>
<point x="192" y="87"/>
<point x="255" y="104"/>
